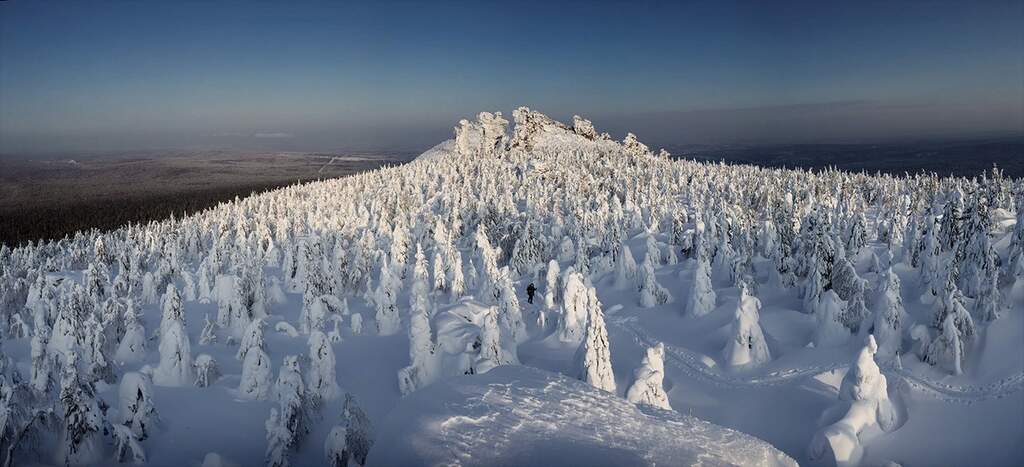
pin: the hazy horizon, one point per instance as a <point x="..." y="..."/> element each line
<point x="398" y="76"/>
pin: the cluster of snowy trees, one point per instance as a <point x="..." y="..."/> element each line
<point x="480" y="216"/>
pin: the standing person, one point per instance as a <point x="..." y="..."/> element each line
<point x="530" y="290"/>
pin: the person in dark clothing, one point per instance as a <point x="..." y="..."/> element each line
<point x="530" y="290"/>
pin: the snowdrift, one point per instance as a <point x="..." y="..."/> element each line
<point x="515" y="415"/>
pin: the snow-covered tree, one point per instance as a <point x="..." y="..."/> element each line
<point x="175" y="368"/>
<point x="952" y="304"/>
<point x="576" y="303"/>
<point x="625" y="268"/>
<point x="138" y="411"/>
<point x="830" y="330"/>
<point x="651" y="292"/>
<point x="335" y="448"/>
<point x="889" y="316"/>
<point x="509" y="314"/>
<point x="291" y="421"/>
<point x="81" y="430"/>
<point x="321" y="379"/>
<point x="458" y="283"/>
<point x="421" y="343"/>
<point x="648" y="379"/>
<point x="257" y="375"/>
<point x="358" y="432"/>
<point x="702" y="299"/>
<point x="206" y="370"/>
<point x="41" y="377"/>
<point x="747" y="346"/>
<point x="251" y="339"/>
<point x="493" y="350"/>
<point x="947" y="350"/>
<point x="594" y="358"/>
<point x="989" y="300"/>
<point x="551" y="285"/>
<point x="356" y="324"/>
<point x="386" y="300"/>
<point x="863" y="403"/>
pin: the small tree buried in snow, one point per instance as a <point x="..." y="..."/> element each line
<point x="648" y="379"/>
<point x="747" y="347"/>
<point x="594" y="358"/>
<point x="206" y="370"/>
<point x="863" y="403"/>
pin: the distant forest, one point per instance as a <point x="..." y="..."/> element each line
<point x="18" y="226"/>
<point x="946" y="158"/>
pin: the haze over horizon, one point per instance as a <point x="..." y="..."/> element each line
<point x="78" y="76"/>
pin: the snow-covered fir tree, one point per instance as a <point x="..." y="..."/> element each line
<point x="81" y="430"/>
<point x="594" y="357"/>
<point x="889" y="316"/>
<point x="702" y="299"/>
<point x="321" y="379"/>
<point x="830" y="330"/>
<point x="651" y="292"/>
<point x="175" y="368"/>
<point x="493" y="349"/>
<point x="137" y="410"/>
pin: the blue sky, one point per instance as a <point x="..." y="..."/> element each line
<point x="385" y="75"/>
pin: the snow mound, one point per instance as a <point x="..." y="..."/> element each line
<point x="516" y="415"/>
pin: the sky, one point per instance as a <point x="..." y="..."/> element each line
<point x="91" y="76"/>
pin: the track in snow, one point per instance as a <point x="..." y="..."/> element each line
<point x="691" y="365"/>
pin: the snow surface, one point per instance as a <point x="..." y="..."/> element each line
<point x="516" y="415"/>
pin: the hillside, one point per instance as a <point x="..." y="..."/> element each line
<point x="841" y="318"/>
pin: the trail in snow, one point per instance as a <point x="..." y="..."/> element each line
<point x="690" y="363"/>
